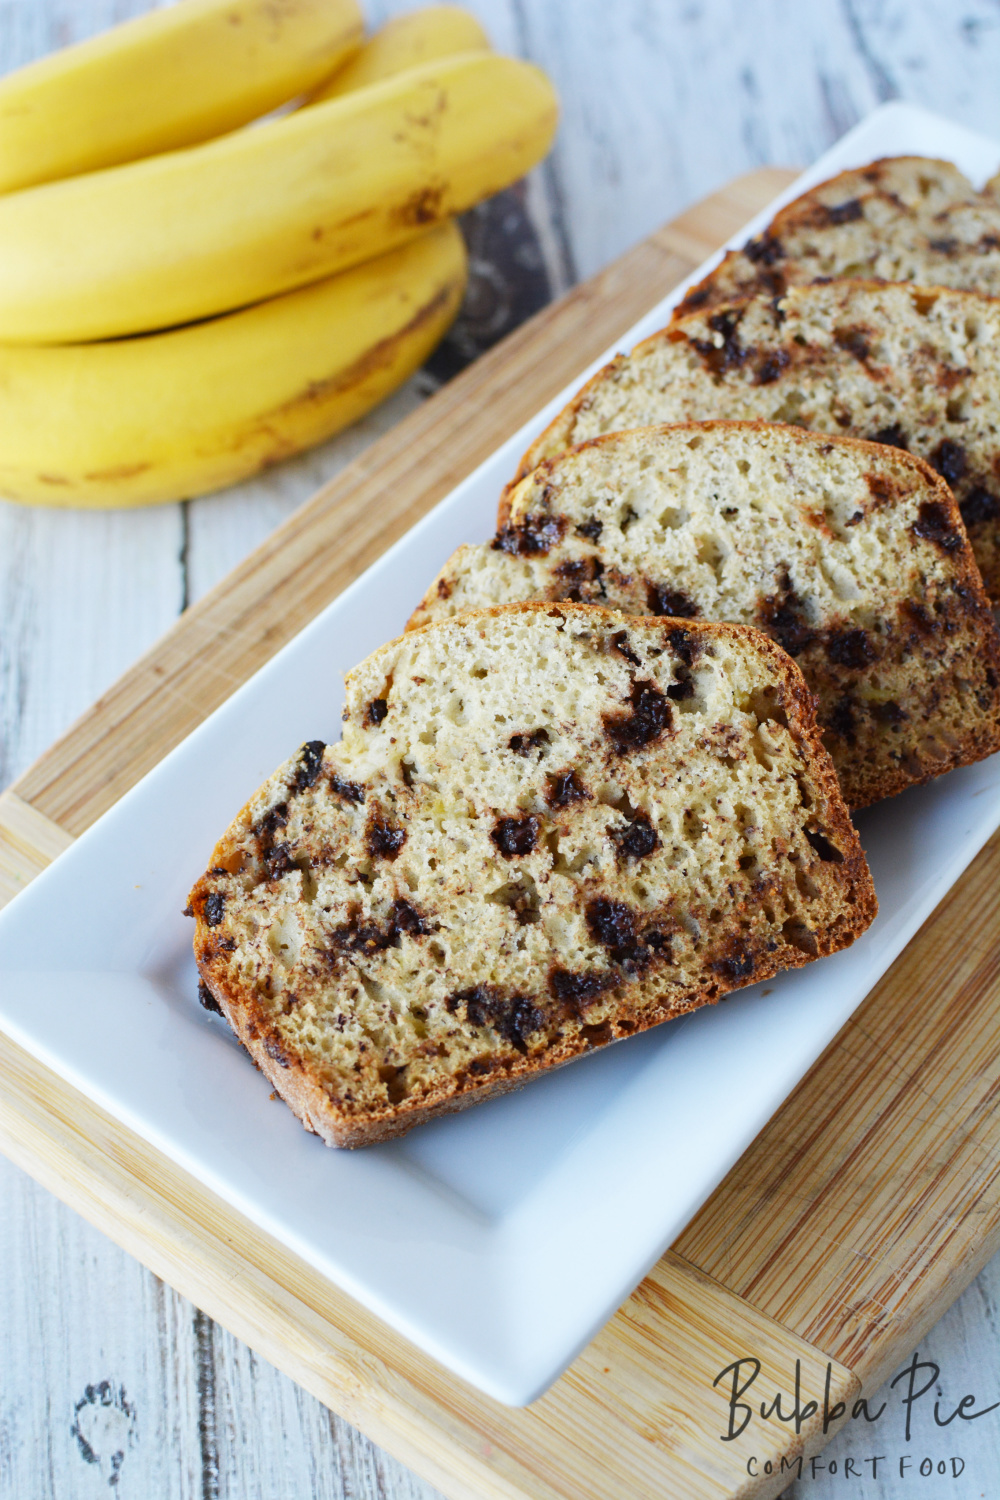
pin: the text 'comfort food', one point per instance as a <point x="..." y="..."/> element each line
<point x="545" y="828"/>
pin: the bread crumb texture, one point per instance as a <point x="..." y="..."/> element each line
<point x="851" y="555"/>
<point x="904" y="218"/>
<point x="916" y="368"/>
<point x="545" y="828"/>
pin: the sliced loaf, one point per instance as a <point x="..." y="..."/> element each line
<point x="546" y="827"/>
<point x="850" y="555"/>
<point x="913" y="367"/>
<point x="905" y="218"/>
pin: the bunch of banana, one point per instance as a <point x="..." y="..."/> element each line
<point x="323" y="238"/>
<point x="170" y="78"/>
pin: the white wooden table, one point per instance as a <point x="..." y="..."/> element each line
<point x="108" y="1380"/>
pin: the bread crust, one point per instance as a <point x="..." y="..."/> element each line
<point x="296" y="1079"/>
<point x="957" y="691"/>
<point x="894" y="220"/>
<point x="922" y="362"/>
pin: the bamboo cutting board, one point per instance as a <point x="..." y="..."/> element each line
<point x="864" y="1208"/>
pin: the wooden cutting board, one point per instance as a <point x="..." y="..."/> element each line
<point x="864" y="1208"/>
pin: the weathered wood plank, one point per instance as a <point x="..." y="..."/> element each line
<point x="636" y="1416"/>
<point x="692" y="93"/>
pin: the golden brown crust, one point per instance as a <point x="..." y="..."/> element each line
<point x="558" y="436"/>
<point x="917" y="364"/>
<point x="933" y="656"/>
<point x="262" y="1026"/>
<point x="900" y="218"/>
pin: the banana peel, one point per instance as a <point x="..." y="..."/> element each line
<point x="171" y="415"/>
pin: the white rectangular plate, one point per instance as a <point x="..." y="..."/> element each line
<point x="499" y="1240"/>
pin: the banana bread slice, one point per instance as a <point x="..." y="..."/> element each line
<point x="545" y="827"/>
<point x="913" y="367"/>
<point x="850" y="555"/>
<point x="904" y="218"/>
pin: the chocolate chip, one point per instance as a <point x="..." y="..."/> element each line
<point x="943" y="247"/>
<point x="826" y="851"/>
<point x="383" y="838"/>
<point x="563" y="788"/>
<point x="577" y="990"/>
<point x="850" y="648"/>
<point x="949" y="459"/>
<point x="514" y="1017"/>
<point x="855" y="341"/>
<point x="581" y="570"/>
<point x="349" y="790"/>
<point x="731" y="353"/>
<point x="888" y="712"/>
<point x="649" y="718"/>
<point x="310" y="761"/>
<point x="405" y="918"/>
<point x="208" y="1000"/>
<point x="764" y="251"/>
<point x="278" y="861"/>
<point x="590" y="529"/>
<point x="515" y="836"/>
<point x="661" y="600"/>
<point x="636" y="840"/>
<point x="685" y="645"/>
<point x="737" y="964"/>
<point x="215" y="905"/>
<point x="844" y="213"/>
<point x="188" y="911"/>
<point x="694" y="299"/>
<point x="770" y="366"/>
<point x="918" y="617"/>
<point x="523" y="744"/>
<point x="373" y="937"/>
<point x="841" y="719"/>
<point x="891" y="437"/>
<point x="277" y="1052"/>
<point x="934" y="524"/>
<point x="534" y="536"/>
<point x="979" y="506"/>
<point x="681" y="689"/>
<point x="269" y="824"/>
<point x="619" y="642"/>
<point x="613" y="924"/>
<point x="782" y="615"/>
<point x="376" y="711"/>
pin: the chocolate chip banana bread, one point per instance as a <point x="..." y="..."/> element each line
<point x="905" y="218"/>
<point x="545" y="827"/>
<point x="913" y="367"/>
<point x="850" y="555"/>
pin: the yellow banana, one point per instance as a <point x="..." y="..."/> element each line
<point x="408" y="42"/>
<point x="193" y="233"/>
<point x="180" y="413"/>
<point x="166" y="79"/>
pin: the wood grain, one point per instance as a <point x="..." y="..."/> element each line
<point x="837" y="1254"/>
<point x="660" y="103"/>
<point x="873" y="1196"/>
<point x="636" y="1416"/>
